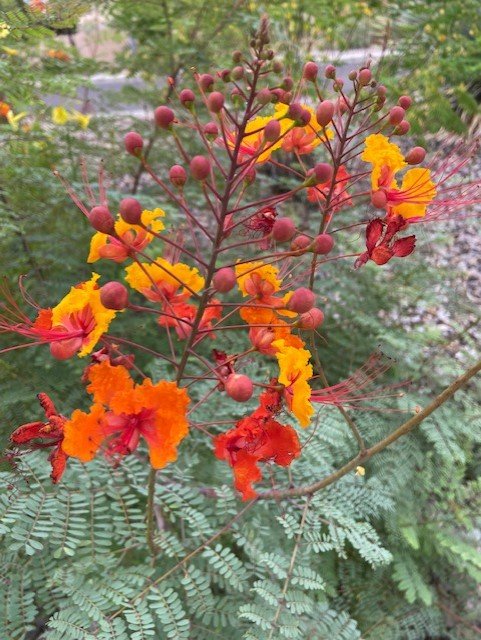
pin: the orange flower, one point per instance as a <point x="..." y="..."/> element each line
<point x="160" y="281"/>
<point x="294" y="373"/>
<point x="123" y="412"/>
<point x="5" y="108"/>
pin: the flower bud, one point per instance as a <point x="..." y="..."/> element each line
<point x="130" y="210"/>
<point x="261" y="339"/>
<point x="250" y="176"/>
<point x="277" y="95"/>
<point x="322" y="172"/>
<point x="264" y="96"/>
<point x="187" y="97"/>
<point x="396" y="115"/>
<point x="272" y="130"/>
<point x="287" y="83"/>
<point x="199" y="167"/>
<point x="285" y="96"/>
<point x="277" y="66"/>
<point x="330" y="71"/>
<point x="283" y="230"/>
<point x="225" y="75"/>
<point x="325" y="112"/>
<point x="114" y="295"/>
<point x="224" y="280"/>
<point x="101" y="219"/>
<point x="405" y="102"/>
<point x="379" y="199"/>
<point x="237" y="56"/>
<point x="302" y="300"/>
<point x="301" y="243"/>
<point x="177" y="175"/>
<point x="237" y="73"/>
<point x="352" y="75"/>
<point x="239" y="387"/>
<point x="338" y="84"/>
<point x="364" y="77"/>
<point x="211" y="130"/>
<point x="133" y="143"/>
<point x="164" y="117"/>
<point x="305" y="117"/>
<point x="310" y="71"/>
<point x="416" y="155"/>
<point x="206" y="81"/>
<point x="402" y="128"/>
<point x="215" y="101"/>
<point x="312" y="319"/>
<point x="295" y="111"/>
<point x="381" y="91"/>
<point x="323" y="244"/>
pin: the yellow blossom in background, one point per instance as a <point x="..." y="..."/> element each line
<point x="4" y="30"/>
<point x="81" y="118"/>
<point x="60" y="115"/>
<point x="360" y="471"/>
<point x="13" y="119"/>
<point x="9" y="51"/>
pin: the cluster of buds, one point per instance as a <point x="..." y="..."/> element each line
<point x="242" y="263"/>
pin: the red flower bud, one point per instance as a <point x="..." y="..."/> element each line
<point x="225" y="75"/>
<point x="379" y="199"/>
<point x="211" y="129"/>
<point x="323" y="244"/>
<point x="177" y="175"/>
<point x="295" y="111"/>
<point x="206" y="81"/>
<point x="325" y="112"/>
<point x="416" y="155"/>
<point x="322" y="172"/>
<point x="301" y="243"/>
<point x="310" y="71"/>
<point x="101" y="219"/>
<point x="239" y="387"/>
<point x="215" y="102"/>
<point x="133" y="143"/>
<point x="330" y="71"/>
<point x="164" y="117"/>
<point x="250" y="176"/>
<point x="114" y="295"/>
<point x="187" y="97"/>
<point x="396" y="115"/>
<point x="402" y="128"/>
<point x="237" y="56"/>
<point x="130" y="210"/>
<point x="352" y="75"/>
<point x="283" y="230"/>
<point x="381" y="91"/>
<point x="224" y="280"/>
<point x="405" y="102"/>
<point x="264" y="96"/>
<point x="272" y="131"/>
<point x="364" y="77"/>
<point x="277" y="95"/>
<point x="311" y="319"/>
<point x="199" y="167"/>
<point x="302" y="300"/>
<point x="338" y="84"/>
<point x="237" y="73"/>
<point x="277" y="66"/>
<point x="287" y="83"/>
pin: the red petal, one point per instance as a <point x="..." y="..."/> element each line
<point x="363" y="258"/>
<point x="47" y="405"/>
<point x="373" y="233"/>
<point x="381" y="255"/>
<point x="404" y="246"/>
<point x="58" y="460"/>
<point x="246" y="472"/>
<point x="27" y="432"/>
<point x="285" y="441"/>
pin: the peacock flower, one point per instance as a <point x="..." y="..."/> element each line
<point x="381" y="242"/>
<point x="130" y="237"/>
<point x="181" y="316"/>
<point x="82" y="119"/>
<point x="75" y="325"/>
<point x="60" y="115"/>
<point x="162" y="281"/>
<point x="257" y="438"/>
<point x="45" y="434"/>
<point x="4" y="109"/>
<point x="294" y="373"/>
<point x="123" y="412"/>
<point x="57" y="54"/>
<point x="417" y="189"/>
<point x="305" y="139"/>
<point x="340" y="198"/>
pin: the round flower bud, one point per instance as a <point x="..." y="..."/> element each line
<point x="264" y="96"/>
<point x="285" y="96"/>
<point x="402" y="128"/>
<point x="206" y="81"/>
<point x="301" y="243"/>
<point x="287" y="83"/>
<point x="199" y="167"/>
<point x="323" y="244"/>
<point x="283" y="230"/>
<point x="114" y="295"/>
<point x="187" y="97"/>
<point x="277" y="66"/>
<point x="239" y="387"/>
<point x="322" y="172"/>
<point x="295" y="111"/>
<point x="277" y="95"/>
<point x="302" y="300"/>
<point x="272" y="130"/>
<point x="330" y="71"/>
<point x="215" y="101"/>
<point x="310" y="71"/>
<point x="225" y="75"/>
<point x="237" y="56"/>
<point x="133" y="143"/>
<point x="211" y="129"/>
<point x="224" y="280"/>
<point x="312" y="319"/>
<point x="338" y="84"/>
<point x="237" y="73"/>
<point x="130" y="210"/>
<point x="352" y="75"/>
<point x="101" y="219"/>
<point x="405" y="102"/>
<point x="379" y="199"/>
<point x="396" y="115"/>
<point x="305" y="117"/>
<point x="164" y="117"/>
<point x="177" y="175"/>
<point x="381" y="91"/>
<point x="364" y="77"/>
<point x="325" y="112"/>
<point x="416" y="155"/>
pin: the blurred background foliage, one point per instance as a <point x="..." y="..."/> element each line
<point x="110" y="59"/>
